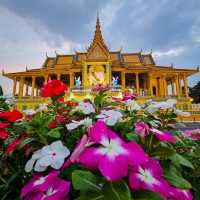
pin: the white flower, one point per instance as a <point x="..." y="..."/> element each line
<point x="85" y="107"/>
<point x="110" y="117"/>
<point x="29" y="112"/>
<point x="87" y="122"/>
<point x="132" y="105"/>
<point x="154" y="106"/>
<point x="42" y="107"/>
<point x="50" y="155"/>
<point x="170" y="103"/>
<point x="182" y="113"/>
<point x="10" y="101"/>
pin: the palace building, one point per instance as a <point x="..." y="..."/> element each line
<point x="83" y="70"/>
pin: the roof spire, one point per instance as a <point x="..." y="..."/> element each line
<point x="98" y="35"/>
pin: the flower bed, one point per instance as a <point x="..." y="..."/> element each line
<point x="105" y="149"/>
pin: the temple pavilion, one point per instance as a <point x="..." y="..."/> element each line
<point x="137" y="72"/>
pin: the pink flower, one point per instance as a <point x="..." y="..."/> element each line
<point x="149" y="176"/>
<point x="141" y="128"/>
<point x="49" y="187"/>
<point x="129" y="97"/>
<point x="163" y="135"/>
<point x="100" y="87"/>
<point x="82" y="145"/>
<point x="111" y="155"/>
<point x="177" y="194"/>
<point x="193" y="134"/>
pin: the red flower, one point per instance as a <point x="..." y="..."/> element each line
<point x="61" y="99"/>
<point x="52" y="124"/>
<point x="4" y="125"/>
<point x="11" y="116"/>
<point x="53" y="88"/>
<point x="58" y="120"/>
<point x="11" y="147"/>
<point x="4" y="134"/>
<point x="71" y="103"/>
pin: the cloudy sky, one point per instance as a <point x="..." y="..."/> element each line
<point x="29" y="29"/>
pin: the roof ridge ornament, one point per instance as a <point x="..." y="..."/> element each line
<point x="56" y="53"/>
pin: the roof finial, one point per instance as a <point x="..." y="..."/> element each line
<point x="98" y="36"/>
<point x="172" y="65"/>
<point x="26" y="68"/>
<point x="47" y="55"/>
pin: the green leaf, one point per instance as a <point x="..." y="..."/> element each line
<point x="91" y="195"/>
<point x="165" y="152"/>
<point x="176" y="180"/>
<point x="116" y="191"/>
<point x="132" y="137"/>
<point x="25" y="142"/>
<point x="146" y="195"/>
<point x="177" y="159"/>
<point x="97" y="100"/>
<point x="37" y="119"/>
<point x="54" y="133"/>
<point x="85" y="180"/>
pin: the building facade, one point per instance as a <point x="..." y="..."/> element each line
<point x="83" y="70"/>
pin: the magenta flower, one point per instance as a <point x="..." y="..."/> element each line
<point x="141" y="128"/>
<point x="49" y="187"/>
<point x="163" y="135"/>
<point x="111" y="155"/>
<point x="177" y="194"/>
<point x="101" y="87"/>
<point x="82" y="145"/>
<point x="129" y="97"/>
<point x="193" y="134"/>
<point x="149" y="176"/>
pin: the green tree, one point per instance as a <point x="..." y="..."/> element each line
<point x="195" y="93"/>
<point x="3" y="104"/>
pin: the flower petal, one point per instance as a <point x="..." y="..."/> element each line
<point x="136" y="154"/>
<point x="114" y="169"/>
<point x="98" y="131"/>
<point x="29" y="165"/>
<point x="57" y="162"/>
<point x="45" y="161"/>
<point x="39" y="168"/>
<point x="90" y="158"/>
